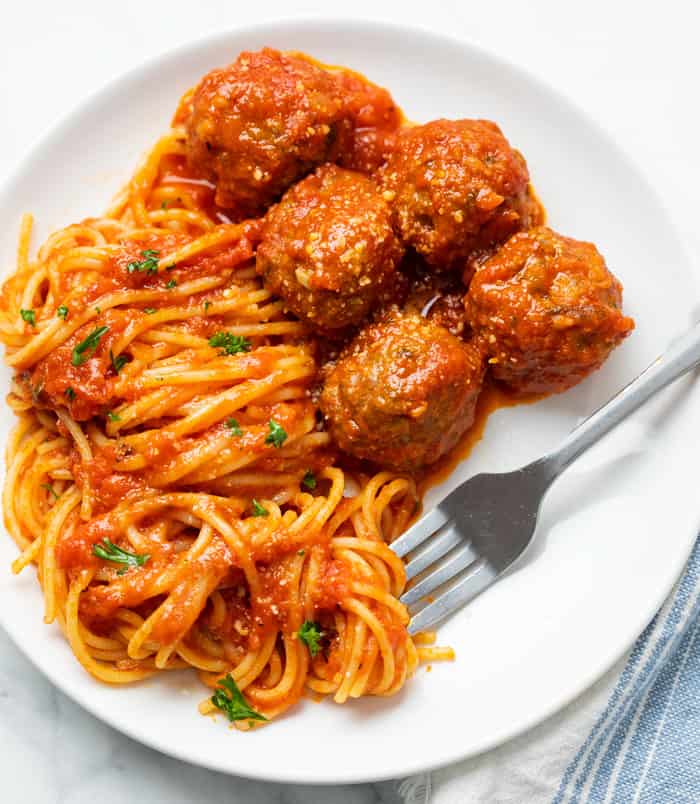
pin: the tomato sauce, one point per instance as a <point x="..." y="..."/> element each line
<point x="108" y="486"/>
<point x="376" y="121"/>
<point x="86" y="389"/>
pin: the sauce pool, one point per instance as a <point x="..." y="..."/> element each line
<point x="491" y="399"/>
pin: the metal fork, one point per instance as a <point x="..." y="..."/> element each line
<point x="485" y="524"/>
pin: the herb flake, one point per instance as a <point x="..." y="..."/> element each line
<point x="51" y="490"/>
<point x="233" y="426"/>
<point x="259" y="510"/>
<point x="229" y="699"/>
<point x="117" y="362"/>
<point x="87" y="347"/>
<point x="310" y="634"/>
<point x="229" y="343"/>
<point x="29" y="316"/>
<point x="108" y="551"/>
<point x="148" y="265"/>
<point x="277" y="435"/>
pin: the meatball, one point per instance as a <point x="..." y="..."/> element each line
<point x="456" y="186"/>
<point x="548" y="311"/>
<point x="260" y="124"/>
<point x="328" y="249"/>
<point x="375" y="118"/>
<point x="403" y="392"/>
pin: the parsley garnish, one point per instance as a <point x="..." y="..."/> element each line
<point x="233" y="426"/>
<point x="117" y="362"/>
<point x="110" y="552"/>
<point x="259" y="510"/>
<point x="163" y="204"/>
<point x="29" y="316"/>
<point x="277" y="436"/>
<point x="113" y="417"/>
<point x="62" y="311"/>
<point x="148" y="265"/>
<point x="309" y="480"/>
<point x="207" y="305"/>
<point x="70" y="393"/>
<point x="310" y="634"/>
<point x="150" y="310"/>
<point x="98" y="310"/>
<point x="83" y="350"/>
<point x="230" y="700"/>
<point x="50" y="489"/>
<point x="172" y="284"/>
<point x="229" y="343"/>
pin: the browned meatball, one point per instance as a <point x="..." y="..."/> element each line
<point x="376" y="120"/>
<point x="548" y="310"/>
<point x="328" y="249"/>
<point x="403" y="392"/>
<point x="455" y="186"/>
<point x="261" y="123"/>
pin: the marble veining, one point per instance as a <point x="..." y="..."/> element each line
<point x="53" y="752"/>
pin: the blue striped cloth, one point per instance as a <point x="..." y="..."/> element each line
<point x="634" y="737"/>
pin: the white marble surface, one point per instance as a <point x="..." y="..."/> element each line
<point x="632" y="65"/>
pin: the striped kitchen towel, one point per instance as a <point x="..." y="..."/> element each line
<point x="633" y="737"/>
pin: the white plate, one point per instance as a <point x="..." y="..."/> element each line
<point x="616" y="528"/>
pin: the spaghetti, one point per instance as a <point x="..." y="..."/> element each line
<point x="168" y="474"/>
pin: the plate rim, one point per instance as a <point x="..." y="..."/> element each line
<point x="356" y="25"/>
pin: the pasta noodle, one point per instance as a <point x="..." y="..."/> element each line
<point x="168" y="475"/>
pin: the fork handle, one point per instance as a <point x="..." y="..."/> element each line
<point x="681" y="356"/>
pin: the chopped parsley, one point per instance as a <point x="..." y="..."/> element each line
<point x="163" y="204"/>
<point x="50" y="489"/>
<point x="229" y="343"/>
<point x="171" y="284"/>
<point x="277" y="436"/>
<point x="117" y="362"/>
<point x="108" y="551"/>
<point x="207" y="305"/>
<point x="233" y="426"/>
<point x="309" y="480"/>
<point x="85" y="349"/>
<point x="229" y="699"/>
<point x="259" y="510"/>
<point x="98" y="310"/>
<point x="150" y="310"/>
<point x="113" y="417"/>
<point x="29" y="316"/>
<point x="70" y="393"/>
<point x="148" y="265"/>
<point x="310" y="634"/>
<point x="62" y="311"/>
